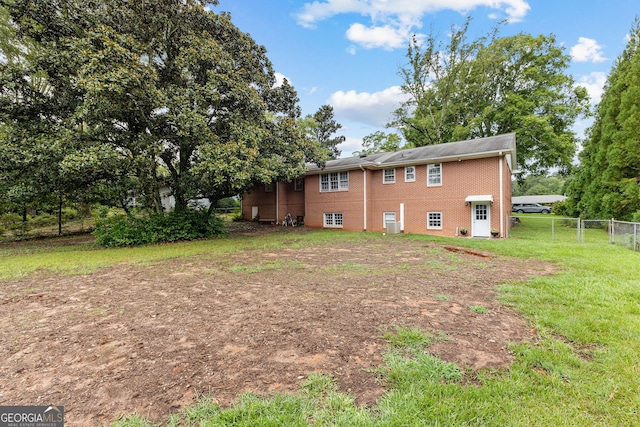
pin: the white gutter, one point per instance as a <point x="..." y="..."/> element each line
<point x="364" y="175"/>
<point x="277" y="202"/>
<point x="501" y="199"/>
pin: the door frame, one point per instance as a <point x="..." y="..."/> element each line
<point x="479" y="230"/>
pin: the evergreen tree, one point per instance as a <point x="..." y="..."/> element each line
<point x="607" y="183"/>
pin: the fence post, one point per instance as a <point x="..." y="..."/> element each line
<point x="578" y="227"/>
<point x="635" y="236"/>
<point x="612" y="231"/>
<point x="553" y="229"/>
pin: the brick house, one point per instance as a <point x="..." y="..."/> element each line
<point x="437" y="189"/>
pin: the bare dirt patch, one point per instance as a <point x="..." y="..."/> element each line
<point x="151" y="338"/>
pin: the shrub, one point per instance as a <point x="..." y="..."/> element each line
<point x="69" y="214"/>
<point x="44" y="220"/>
<point x="9" y="220"/>
<point x="122" y="230"/>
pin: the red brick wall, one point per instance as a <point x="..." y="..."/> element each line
<point x="459" y="180"/>
<point x="349" y="203"/>
<point x="265" y="201"/>
<point x="289" y="201"/>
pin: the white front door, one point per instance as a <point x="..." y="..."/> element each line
<point x="481" y="220"/>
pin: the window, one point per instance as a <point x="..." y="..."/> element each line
<point x="389" y="176"/>
<point x="333" y="219"/>
<point x="434" y="174"/>
<point x="268" y="188"/>
<point x="434" y="220"/>
<point x="336" y="181"/>
<point x="388" y="217"/>
<point x="409" y="174"/>
<point x="298" y="184"/>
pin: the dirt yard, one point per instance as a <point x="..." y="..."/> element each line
<point x="150" y="339"/>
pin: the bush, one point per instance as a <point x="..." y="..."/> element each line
<point x="69" y="214"/>
<point x="9" y="220"/>
<point x="122" y="230"/>
<point x="44" y="220"/>
<point x="228" y="203"/>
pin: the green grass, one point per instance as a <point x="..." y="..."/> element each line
<point x="478" y="309"/>
<point x="582" y="370"/>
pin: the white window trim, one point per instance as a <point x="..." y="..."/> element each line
<point x="429" y="226"/>
<point x="333" y="220"/>
<point x="384" y="218"/>
<point x="405" y="174"/>
<point x="384" y="176"/>
<point x="339" y="182"/>
<point x="429" y="175"/>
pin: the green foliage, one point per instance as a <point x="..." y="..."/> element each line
<point x="124" y="230"/>
<point x="117" y="97"/>
<point x="533" y="185"/>
<point x="607" y="183"/>
<point x="489" y="86"/>
<point x="379" y="141"/>
<point x="228" y="202"/>
<point x="323" y="129"/>
<point x="43" y="220"/>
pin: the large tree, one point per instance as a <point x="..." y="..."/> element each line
<point x="144" y="94"/>
<point x="322" y="127"/>
<point x="492" y="85"/>
<point x="607" y="183"/>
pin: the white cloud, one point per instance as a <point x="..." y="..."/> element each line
<point x="400" y="17"/>
<point x="373" y="109"/>
<point x="594" y="83"/>
<point x="350" y="145"/>
<point x="280" y="78"/>
<point x="587" y="50"/>
<point x="385" y="36"/>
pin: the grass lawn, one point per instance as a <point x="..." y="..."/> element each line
<point x="583" y="370"/>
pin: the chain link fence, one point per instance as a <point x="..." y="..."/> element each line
<point x="563" y="229"/>
<point x="582" y="230"/>
<point x="625" y="234"/>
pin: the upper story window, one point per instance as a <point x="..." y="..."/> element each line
<point x="268" y="188"/>
<point x="389" y="176"/>
<point x="298" y="184"/>
<point x="434" y="174"/>
<point x="409" y="174"/>
<point x="335" y="181"/>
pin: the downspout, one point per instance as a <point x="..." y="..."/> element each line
<point x="364" y="174"/>
<point x="501" y="197"/>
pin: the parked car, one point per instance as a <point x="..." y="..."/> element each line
<point x="530" y="208"/>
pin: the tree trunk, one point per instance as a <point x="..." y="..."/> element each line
<point x="60" y="215"/>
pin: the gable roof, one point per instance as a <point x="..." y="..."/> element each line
<point x="452" y="151"/>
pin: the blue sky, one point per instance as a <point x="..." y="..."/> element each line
<point x="347" y="53"/>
